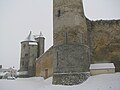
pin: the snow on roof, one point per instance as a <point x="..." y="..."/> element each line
<point x="30" y="37"/>
<point x="33" y="43"/>
<point x="102" y="66"/>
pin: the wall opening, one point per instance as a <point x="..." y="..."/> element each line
<point x="46" y="73"/>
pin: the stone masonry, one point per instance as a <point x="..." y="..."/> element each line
<point x="31" y="48"/>
<point x="72" y="53"/>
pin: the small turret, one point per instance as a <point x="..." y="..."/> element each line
<point x="40" y="40"/>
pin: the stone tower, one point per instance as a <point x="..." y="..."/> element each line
<point x="30" y="50"/>
<point x="40" y="40"/>
<point x="70" y="41"/>
<point x="69" y="22"/>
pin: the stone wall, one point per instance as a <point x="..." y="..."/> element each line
<point x="45" y="62"/>
<point x="69" y="78"/>
<point x="71" y="58"/>
<point x="102" y="71"/>
<point x="69" y="61"/>
<point x="24" y="59"/>
<point x="33" y="55"/>
<point x="104" y="41"/>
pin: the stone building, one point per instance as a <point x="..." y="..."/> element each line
<point x="102" y="68"/>
<point x="31" y="48"/>
<point x="77" y="42"/>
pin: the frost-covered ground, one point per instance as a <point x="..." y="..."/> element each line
<point x="99" y="82"/>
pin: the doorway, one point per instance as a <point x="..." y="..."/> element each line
<point x="46" y="73"/>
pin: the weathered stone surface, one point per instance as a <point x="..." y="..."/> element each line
<point x="72" y="53"/>
<point x="70" y="78"/>
<point x="104" y="41"/>
<point x="69" y="19"/>
<point x="71" y="58"/>
<point x="28" y="57"/>
<point x="45" y="62"/>
<point x="30" y="50"/>
<point x="41" y="45"/>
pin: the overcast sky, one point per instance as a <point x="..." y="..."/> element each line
<point x="19" y="17"/>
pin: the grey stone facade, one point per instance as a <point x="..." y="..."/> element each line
<point x="30" y="50"/>
<point x="72" y="53"/>
<point x="71" y="58"/>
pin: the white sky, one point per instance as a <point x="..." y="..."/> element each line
<point x="19" y="17"/>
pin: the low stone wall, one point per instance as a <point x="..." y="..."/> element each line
<point x="45" y="62"/>
<point x="70" y="78"/>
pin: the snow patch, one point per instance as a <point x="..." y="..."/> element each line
<point x="102" y="66"/>
<point x="98" y="82"/>
<point x="33" y="43"/>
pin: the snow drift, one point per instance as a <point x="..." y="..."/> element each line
<point x="98" y="82"/>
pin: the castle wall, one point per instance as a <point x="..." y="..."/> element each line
<point x="105" y="41"/>
<point x="71" y="59"/>
<point x="44" y="64"/>
<point x="33" y="55"/>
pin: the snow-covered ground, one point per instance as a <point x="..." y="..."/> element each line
<point x="98" y="82"/>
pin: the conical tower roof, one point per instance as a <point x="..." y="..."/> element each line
<point x="30" y="37"/>
<point x="41" y="35"/>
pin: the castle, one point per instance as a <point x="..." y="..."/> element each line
<point x="31" y="48"/>
<point x="77" y="42"/>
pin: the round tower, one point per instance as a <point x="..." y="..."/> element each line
<point x="70" y="41"/>
<point x="69" y="22"/>
<point x="28" y="56"/>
